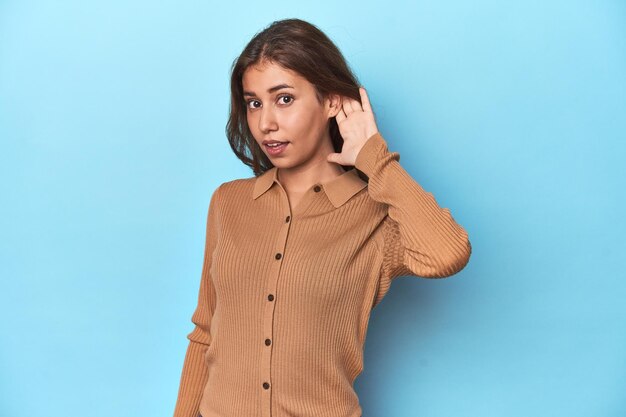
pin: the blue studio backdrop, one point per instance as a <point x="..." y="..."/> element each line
<point x="513" y="114"/>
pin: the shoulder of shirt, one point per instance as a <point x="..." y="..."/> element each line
<point x="234" y="188"/>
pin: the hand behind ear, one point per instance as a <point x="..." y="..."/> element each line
<point x="356" y="124"/>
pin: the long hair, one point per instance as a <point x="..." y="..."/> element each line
<point x="295" y="45"/>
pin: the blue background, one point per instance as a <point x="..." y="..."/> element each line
<point x="513" y="114"/>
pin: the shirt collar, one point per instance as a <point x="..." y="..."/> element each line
<point x="338" y="190"/>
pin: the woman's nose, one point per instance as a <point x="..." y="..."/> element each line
<point x="267" y="121"/>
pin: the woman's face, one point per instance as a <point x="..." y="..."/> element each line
<point x="282" y="106"/>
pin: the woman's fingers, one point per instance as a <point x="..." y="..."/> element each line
<point x="341" y="116"/>
<point x="365" y="100"/>
<point x="350" y="105"/>
<point x="347" y="105"/>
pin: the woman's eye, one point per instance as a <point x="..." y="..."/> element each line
<point x="287" y="97"/>
<point x="252" y="101"/>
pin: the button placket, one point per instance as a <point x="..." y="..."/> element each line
<point x="306" y="200"/>
<point x="271" y="297"/>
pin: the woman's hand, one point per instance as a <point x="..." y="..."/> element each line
<point x="356" y="125"/>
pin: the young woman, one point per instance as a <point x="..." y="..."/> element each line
<point x="298" y="255"/>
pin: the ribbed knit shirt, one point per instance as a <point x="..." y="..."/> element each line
<point x="285" y="292"/>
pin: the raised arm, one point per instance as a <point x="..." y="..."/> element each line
<point x="195" y="372"/>
<point x="421" y="238"/>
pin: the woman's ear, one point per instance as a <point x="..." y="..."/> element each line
<point x="334" y="105"/>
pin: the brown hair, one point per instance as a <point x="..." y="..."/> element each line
<point x="299" y="46"/>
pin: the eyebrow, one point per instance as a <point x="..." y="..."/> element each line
<point x="269" y="90"/>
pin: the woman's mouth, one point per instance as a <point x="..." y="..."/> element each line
<point x="276" y="147"/>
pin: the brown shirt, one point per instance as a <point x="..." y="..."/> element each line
<point x="285" y="296"/>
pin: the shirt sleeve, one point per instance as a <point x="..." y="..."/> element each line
<point x="420" y="238"/>
<point x="195" y="372"/>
